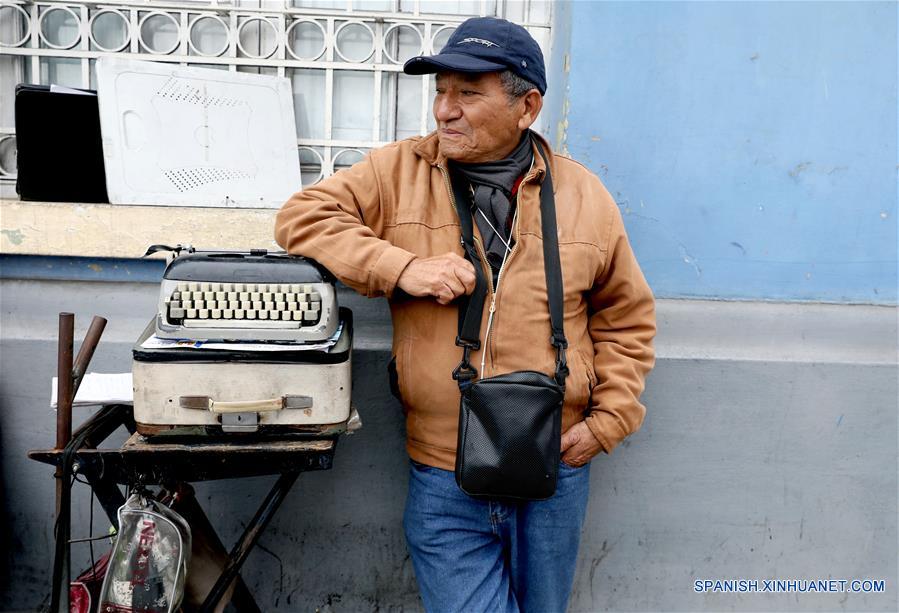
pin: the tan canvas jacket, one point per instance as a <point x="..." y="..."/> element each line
<point x="366" y="223"/>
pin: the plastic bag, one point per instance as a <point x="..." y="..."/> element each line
<point x="149" y="559"/>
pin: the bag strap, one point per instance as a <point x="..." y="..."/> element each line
<point x="471" y="307"/>
<point x="553" y="270"/>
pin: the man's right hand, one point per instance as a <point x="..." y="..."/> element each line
<point x="446" y="277"/>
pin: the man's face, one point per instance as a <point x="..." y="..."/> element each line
<point x="475" y="120"/>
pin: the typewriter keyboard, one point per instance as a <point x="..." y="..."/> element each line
<point x="243" y="305"/>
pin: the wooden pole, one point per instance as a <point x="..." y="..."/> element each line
<point x="64" y="396"/>
<point x="86" y="352"/>
<point x="64" y="387"/>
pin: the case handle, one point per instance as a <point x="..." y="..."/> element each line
<point x="205" y="403"/>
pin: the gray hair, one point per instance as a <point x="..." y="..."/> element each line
<point x="515" y="86"/>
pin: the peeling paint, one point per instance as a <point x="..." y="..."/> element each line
<point x="808" y="166"/>
<point x="799" y="169"/>
<point x="689" y="259"/>
<point x="685" y="255"/>
<point x="95" y="267"/>
<point x="738" y="246"/>
<point x="625" y="206"/>
<point x="14" y="236"/>
<point x="753" y="57"/>
<point x="562" y="129"/>
<point x="884" y="215"/>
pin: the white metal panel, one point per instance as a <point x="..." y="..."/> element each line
<point x="187" y="136"/>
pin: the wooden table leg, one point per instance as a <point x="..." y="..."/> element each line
<point x="190" y="509"/>
<point x="250" y="536"/>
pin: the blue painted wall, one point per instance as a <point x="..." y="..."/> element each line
<point x="752" y="147"/>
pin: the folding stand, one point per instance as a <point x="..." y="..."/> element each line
<point x="175" y="464"/>
<point x="170" y="464"/>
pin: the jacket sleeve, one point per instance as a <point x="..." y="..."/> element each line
<point x="622" y="326"/>
<point x="340" y="222"/>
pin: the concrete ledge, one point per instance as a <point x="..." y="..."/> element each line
<point x="688" y="329"/>
<point x="106" y="230"/>
<point x="789" y="332"/>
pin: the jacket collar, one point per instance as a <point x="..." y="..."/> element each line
<point x="428" y="149"/>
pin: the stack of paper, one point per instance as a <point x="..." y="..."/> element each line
<point x="97" y="388"/>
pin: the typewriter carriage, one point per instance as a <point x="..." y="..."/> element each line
<point x="250" y="296"/>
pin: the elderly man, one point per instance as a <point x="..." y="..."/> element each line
<point x="389" y="226"/>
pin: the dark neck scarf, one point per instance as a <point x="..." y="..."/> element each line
<point x="492" y="184"/>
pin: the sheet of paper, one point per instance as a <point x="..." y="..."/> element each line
<point x="154" y="342"/>
<point x="99" y="388"/>
<point x="60" y="89"/>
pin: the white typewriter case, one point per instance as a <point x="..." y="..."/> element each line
<point x="189" y="391"/>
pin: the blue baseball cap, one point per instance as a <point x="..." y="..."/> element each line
<point x="486" y="44"/>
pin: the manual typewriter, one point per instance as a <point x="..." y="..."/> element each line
<point x="250" y="342"/>
<point x="256" y="296"/>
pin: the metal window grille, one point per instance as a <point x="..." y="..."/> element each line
<point x="344" y="57"/>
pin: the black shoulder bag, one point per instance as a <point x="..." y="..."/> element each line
<point x="510" y="424"/>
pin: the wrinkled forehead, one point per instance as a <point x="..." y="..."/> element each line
<point x="466" y="77"/>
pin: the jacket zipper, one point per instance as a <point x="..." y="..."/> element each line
<point x="517" y="231"/>
<point x="492" y="312"/>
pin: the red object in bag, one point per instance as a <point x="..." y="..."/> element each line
<point x="85" y="590"/>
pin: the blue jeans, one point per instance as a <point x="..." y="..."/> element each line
<point x="473" y="555"/>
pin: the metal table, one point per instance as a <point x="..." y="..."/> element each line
<point x="173" y="464"/>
